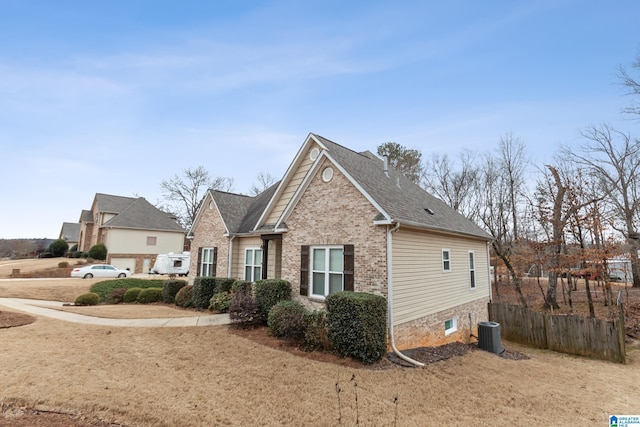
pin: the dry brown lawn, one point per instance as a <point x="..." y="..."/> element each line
<point x="208" y="376"/>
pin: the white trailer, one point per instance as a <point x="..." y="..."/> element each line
<point x="171" y="263"/>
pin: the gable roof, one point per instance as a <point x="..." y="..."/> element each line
<point x="141" y="214"/>
<point x="397" y="198"/>
<point x="86" y="216"/>
<point x="112" y="204"/>
<point x="70" y="231"/>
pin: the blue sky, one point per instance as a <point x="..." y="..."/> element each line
<point x="115" y="96"/>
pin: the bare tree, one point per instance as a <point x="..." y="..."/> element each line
<point x="185" y="192"/>
<point x="632" y="84"/>
<point x="265" y="180"/>
<point x="500" y="193"/>
<point x="405" y="160"/>
<point x="455" y="184"/>
<point x="613" y="158"/>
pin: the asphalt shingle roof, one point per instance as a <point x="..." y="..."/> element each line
<point x="112" y="204"/>
<point x="70" y="231"/>
<point x="398" y="196"/>
<point x="139" y="213"/>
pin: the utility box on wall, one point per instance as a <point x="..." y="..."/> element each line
<point x="489" y="337"/>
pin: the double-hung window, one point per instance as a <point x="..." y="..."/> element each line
<point x="252" y="264"/>
<point x="207" y="262"/>
<point x="472" y="270"/>
<point x="446" y="260"/>
<point x="327" y="270"/>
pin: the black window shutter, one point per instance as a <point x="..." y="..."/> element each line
<point x="348" y="253"/>
<point x="199" y="266"/>
<point x="304" y="270"/>
<point x="215" y="262"/>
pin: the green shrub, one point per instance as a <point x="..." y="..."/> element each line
<point x="220" y="302"/>
<point x="87" y="299"/>
<point x="244" y="308"/>
<point x="73" y="248"/>
<point x="131" y="295"/>
<point x="203" y="289"/>
<point x="357" y="325"/>
<point x="316" y="330"/>
<point x="286" y="319"/>
<point x="149" y="296"/>
<point x="223" y="284"/>
<point x="58" y="248"/>
<point x="98" y="251"/>
<point x="170" y="288"/>
<point x="63" y="264"/>
<point x="184" y="297"/>
<point x="269" y="293"/>
<point x="116" y="296"/>
<point x="105" y="287"/>
<point x="242" y="286"/>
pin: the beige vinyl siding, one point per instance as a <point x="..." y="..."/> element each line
<point x="130" y="241"/>
<point x="291" y="186"/>
<point x="239" y="245"/>
<point x="420" y="287"/>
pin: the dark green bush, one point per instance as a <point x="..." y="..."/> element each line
<point x="98" y="251"/>
<point x="87" y="299"/>
<point x="203" y="289"/>
<point x="242" y="286"/>
<point x="184" y="297"/>
<point x="149" y="296"/>
<point x="170" y="288"/>
<point x="105" y="287"/>
<point x="131" y="295"/>
<point x="220" y="302"/>
<point x="357" y="325"/>
<point x="269" y="293"/>
<point x="316" y="330"/>
<point x="116" y="296"/>
<point x="286" y="319"/>
<point x="223" y="284"/>
<point x="58" y="248"/>
<point x="244" y="308"/>
<point x="73" y="248"/>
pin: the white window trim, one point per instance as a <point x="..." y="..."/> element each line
<point x="327" y="272"/>
<point x="454" y="326"/>
<point x="448" y="251"/>
<point x="254" y="265"/>
<point x="472" y="271"/>
<point x="204" y="261"/>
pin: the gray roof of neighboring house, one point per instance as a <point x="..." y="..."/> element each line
<point x="140" y="214"/>
<point x="86" y="216"/>
<point x="70" y="231"/>
<point x="240" y="213"/>
<point x="112" y="204"/>
<point x="404" y="201"/>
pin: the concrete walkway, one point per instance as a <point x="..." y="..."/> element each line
<point x="35" y="307"/>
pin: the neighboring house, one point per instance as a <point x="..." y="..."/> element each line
<point x="341" y="220"/>
<point x="70" y="233"/>
<point x="133" y="230"/>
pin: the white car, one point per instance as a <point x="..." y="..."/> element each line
<point x="99" y="270"/>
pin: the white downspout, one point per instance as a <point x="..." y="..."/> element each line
<point x="230" y="256"/>
<point x="489" y="272"/>
<point x="390" y="298"/>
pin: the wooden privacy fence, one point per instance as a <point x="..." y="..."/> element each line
<point x="583" y="336"/>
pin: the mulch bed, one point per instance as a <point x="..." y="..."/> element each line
<point x="9" y="319"/>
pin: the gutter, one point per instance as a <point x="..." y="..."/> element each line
<point x="230" y="255"/>
<point x="390" y="298"/>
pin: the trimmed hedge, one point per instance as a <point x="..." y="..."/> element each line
<point x="149" y="296"/>
<point x="286" y="319"/>
<point x="105" y="287"/>
<point x="220" y="302"/>
<point x="88" y="299"/>
<point x="358" y="325"/>
<point x="184" y="297"/>
<point x="203" y="289"/>
<point x="316" y="331"/>
<point x="223" y="284"/>
<point x="131" y="295"/>
<point x="270" y="292"/>
<point x="116" y="296"/>
<point x="170" y="288"/>
<point x="242" y="286"/>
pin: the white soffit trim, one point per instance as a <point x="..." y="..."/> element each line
<point x="287" y="177"/>
<point x="307" y="179"/>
